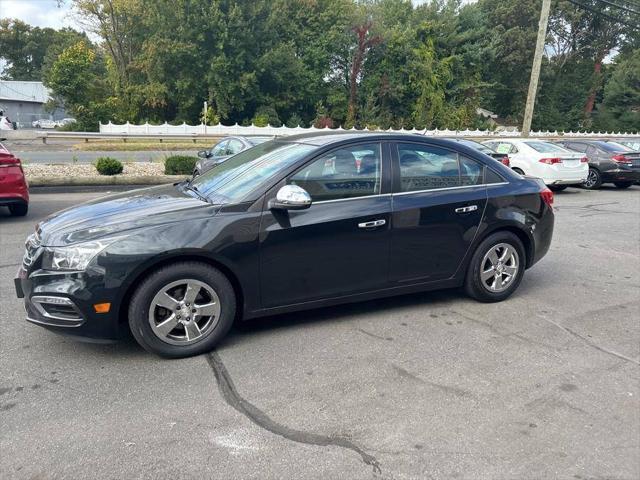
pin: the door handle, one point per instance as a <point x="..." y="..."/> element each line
<point x="470" y="208"/>
<point x="372" y="224"/>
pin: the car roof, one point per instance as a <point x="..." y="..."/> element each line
<point x="320" y="139"/>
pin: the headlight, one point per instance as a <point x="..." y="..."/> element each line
<point x="74" y="257"/>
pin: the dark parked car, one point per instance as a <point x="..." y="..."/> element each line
<point x="14" y="190"/>
<point x="296" y="223"/>
<point x="501" y="157"/>
<point x="222" y="150"/>
<point x="609" y="162"/>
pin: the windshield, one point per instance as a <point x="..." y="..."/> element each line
<point x="545" y="147"/>
<point x="231" y="181"/>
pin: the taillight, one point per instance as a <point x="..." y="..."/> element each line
<point x="547" y="196"/>
<point x="505" y="161"/>
<point x="9" y="161"/>
<point x="550" y="161"/>
<point x="620" y="159"/>
<point x="584" y="160"/>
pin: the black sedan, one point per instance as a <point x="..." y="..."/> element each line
<point x="296" y="223"/>
<point x="609" y="162"/>
<point x="224" y="149"/>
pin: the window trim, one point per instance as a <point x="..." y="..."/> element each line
<point x="383" y="180"/>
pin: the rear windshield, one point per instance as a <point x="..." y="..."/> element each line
<point x="615" y="147"/>
<point x="476" y="145"/>
<point x="545" y="147"/>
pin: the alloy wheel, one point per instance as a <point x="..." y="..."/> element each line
<point x="184" y="312"/>
<point x="499" y="267"/>
<point x="592" y="179"/>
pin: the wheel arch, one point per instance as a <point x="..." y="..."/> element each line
<point x="176" y="257"/>
<point x="518" y="231"/>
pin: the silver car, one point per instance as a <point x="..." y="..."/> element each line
<point x="224" y="149"/>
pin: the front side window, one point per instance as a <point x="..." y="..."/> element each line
<point x="220" y="149"/>
<point x="233" y="180"/>
<point x="346" y="172"/>
<point x="235" y="146"/>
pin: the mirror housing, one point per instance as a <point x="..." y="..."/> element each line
<point x="291" y="197"/>
<point x="204" y="154"/>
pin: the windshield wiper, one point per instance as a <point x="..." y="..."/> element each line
<point x="187" y="185"/>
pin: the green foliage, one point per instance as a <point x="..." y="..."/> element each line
<point x="108" y="166"/>
<point x="294" y="121"/>
<point x="179" y="165"/>
<point x="387" y="63"/>
<point x="620" y="109"/>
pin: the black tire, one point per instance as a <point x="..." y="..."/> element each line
<point x="593" y="181"/>
<point x="19" y="209"/>
<point x="517" y="170"/>
<point x="196" y="172"/>
<point x="473" y="284"/>
<point x="623" y="184"/>
<point x="557" y="188"/>
<point x="140" y="304"/>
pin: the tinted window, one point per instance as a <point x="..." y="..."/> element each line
<point x="425" y="167"/>
<point x="616" y="147"/>
<point x="470" y="171"/>
<point x="346" y="172"/>
<point x="231" y="181"/>
<point x="578" y="147"/>
<point x="492" y="177"/>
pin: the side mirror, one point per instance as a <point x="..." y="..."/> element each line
<point x="203" y="154"/>
<point x="291" y="197"/>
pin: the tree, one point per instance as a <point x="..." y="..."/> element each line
<point x="620" y="109"/>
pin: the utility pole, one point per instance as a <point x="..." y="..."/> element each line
<point x="535" y="69"/>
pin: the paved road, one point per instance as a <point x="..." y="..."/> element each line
<point x="57" y="157"/>
<point x="432" y="385"/>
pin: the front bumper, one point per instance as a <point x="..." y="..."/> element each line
<point x="63" y="303"/>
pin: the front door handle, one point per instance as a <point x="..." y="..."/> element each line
<point x="470" y="208"/>
<point x="372" y="224"/>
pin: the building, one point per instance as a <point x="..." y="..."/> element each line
<point x="23" y="102"/>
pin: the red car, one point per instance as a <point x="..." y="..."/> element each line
<point x="14" y="190"/>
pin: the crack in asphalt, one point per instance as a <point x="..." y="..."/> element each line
<point x="261" y="419"/>
<point x="593" y="344"/>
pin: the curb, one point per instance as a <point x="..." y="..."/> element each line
<point x="103" y="180"/>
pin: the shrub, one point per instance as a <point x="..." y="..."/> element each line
<point x="179" y="165"/>
<point x="108" y="166"/>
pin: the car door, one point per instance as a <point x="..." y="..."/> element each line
<point x="340" y="244"/>
<point x="438" y="202"/>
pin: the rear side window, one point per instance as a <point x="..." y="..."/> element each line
<point x="492" y="177"/>
<point x="426" y="167"/>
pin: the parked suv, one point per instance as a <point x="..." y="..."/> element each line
<point x="609" y="162"/>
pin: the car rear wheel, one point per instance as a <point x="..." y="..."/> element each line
<point x="623" y="184"/>
<point x="593" y="181"/>
<point x="557" y="188"/>
<point x="496" y="268"/>
<point x="182" y="309"/>
<point x="19" y="209"/>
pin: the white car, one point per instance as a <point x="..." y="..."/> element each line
<point x="555" y="165"/>
<point x="44" y="123"/>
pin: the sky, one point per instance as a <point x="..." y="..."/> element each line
<point x="40" y="13"/>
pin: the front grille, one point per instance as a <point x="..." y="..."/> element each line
<point x="32" y="250"/>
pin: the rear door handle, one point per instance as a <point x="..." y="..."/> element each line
<point x="470" y="208"/>
<point x="372" y="224"/>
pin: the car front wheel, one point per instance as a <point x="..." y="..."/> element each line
<point x="182" y="309"/>
<point x="496" y="268"/>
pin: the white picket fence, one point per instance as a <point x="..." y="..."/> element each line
<point x="224" y="130"/>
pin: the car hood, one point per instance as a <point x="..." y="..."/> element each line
<point x="120" y="213"/>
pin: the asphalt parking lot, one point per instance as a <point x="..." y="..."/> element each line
<point x="425" y="386"/>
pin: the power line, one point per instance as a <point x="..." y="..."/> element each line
<point x="626" y="9"/>
<point x="604" y="15"/>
